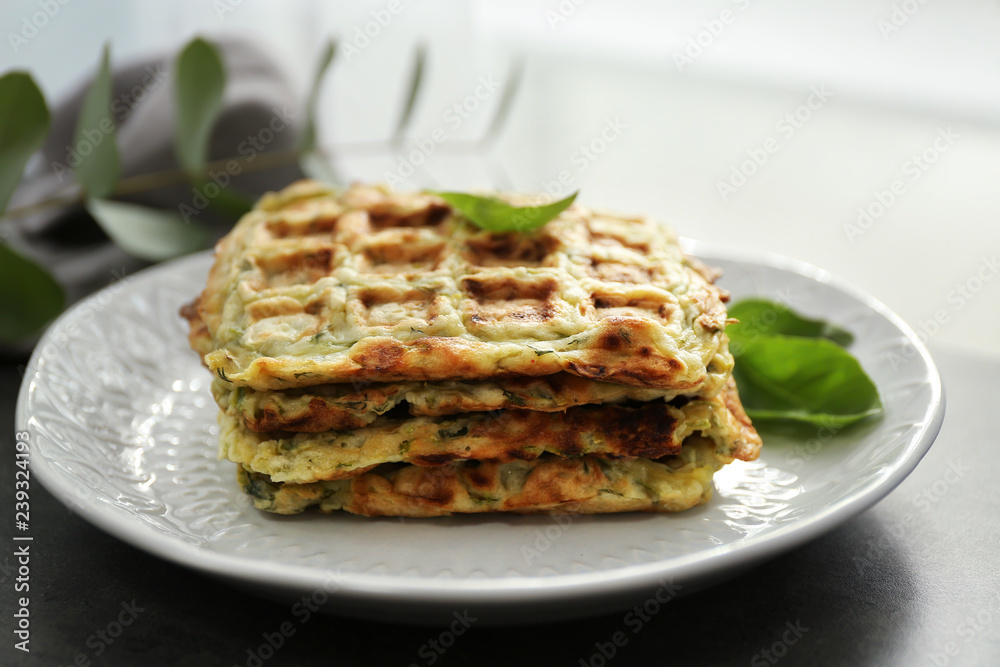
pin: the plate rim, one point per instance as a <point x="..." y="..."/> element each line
<point x="512" y="589"/>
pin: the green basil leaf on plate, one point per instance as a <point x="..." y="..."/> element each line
<point x="803" y="379"/>
<point x="760" y="317"/>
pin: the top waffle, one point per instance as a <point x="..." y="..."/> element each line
<point x="313" y="287"/>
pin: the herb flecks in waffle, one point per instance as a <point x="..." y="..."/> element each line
<point x="313" y="288"/>
<point x="376" y="352"/>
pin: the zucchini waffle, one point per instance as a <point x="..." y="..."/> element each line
<point x="376" y="352"/>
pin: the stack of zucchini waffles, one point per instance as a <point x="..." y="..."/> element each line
<point x="378" y="353"/>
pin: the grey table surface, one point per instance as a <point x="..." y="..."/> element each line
<point x="913" y="581"/>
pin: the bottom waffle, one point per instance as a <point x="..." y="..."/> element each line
<point x="547" y="484"/>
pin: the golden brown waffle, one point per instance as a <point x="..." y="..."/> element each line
<point x="344" y="406"/>
<point x="579" y="485"/>
<point x="313" y="288"/>
<point x="636" y="430"/>
<point x="357" y="404"/>
<point x="377" y="353"/>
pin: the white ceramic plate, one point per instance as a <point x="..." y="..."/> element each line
<point x="123" y="431"/>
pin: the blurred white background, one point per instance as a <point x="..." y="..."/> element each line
<point x="765" y="124"/>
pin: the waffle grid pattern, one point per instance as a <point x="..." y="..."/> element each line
<point x="314" y="287"/>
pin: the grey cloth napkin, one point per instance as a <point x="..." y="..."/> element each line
<point x="261" y="113"/>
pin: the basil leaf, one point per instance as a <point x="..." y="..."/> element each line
<point x="200" y="81"/>
<point x="100" y="167"/>
<point x="803" y="379"/>
<point x="494" y="215"/>
<point x="760" y="317"/>
<point x="24" y="124"/>
<point x="31" y="296"/>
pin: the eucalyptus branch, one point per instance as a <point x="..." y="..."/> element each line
<point x="160" y="179"/>
<point x="157" y="234"/>
<point x="44" y="205"/>
<point x="258" y="162"/>
<point x="380" y="146"/>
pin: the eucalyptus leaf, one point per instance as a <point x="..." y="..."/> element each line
<point x="307" y="141"/>
<point x="413" y="91"/>
<point x="512" y="85"/>
<point x="760" y="317"/>
<point x="200" y="80"/>
<point x="491" y="214"/>
<point x="31" y="296"/>
<point x="147" y="233"/>
<point x="99" y="166"/>
<point x="24" y="124"/>
<point x="804" y="379"/>
<point x="226" y="200"/>
<point x="316" y="166"/>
